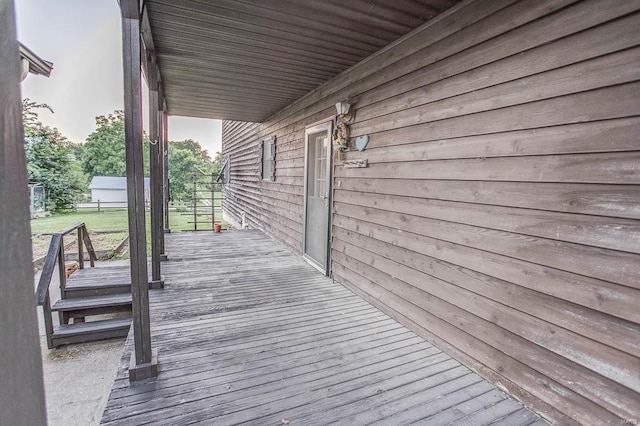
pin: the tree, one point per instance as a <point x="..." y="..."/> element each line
<point x="216" y="165"/>
<point x="104" y="150"/>
<point x="186" y="158"/>
<point x="194" y="147"/>
<point x="104" y="155"/>
<point x="51" y="160"/>
<point x="30" y="112"/>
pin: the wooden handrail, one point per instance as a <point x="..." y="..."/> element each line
<point x="49" y="266"/>
<point x="69" y="229"/>
<point x="55" y="255"/>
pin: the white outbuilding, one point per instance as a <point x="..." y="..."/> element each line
<point x="112" y="189"/>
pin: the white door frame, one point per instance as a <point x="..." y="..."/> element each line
<point x="326" y="125"/>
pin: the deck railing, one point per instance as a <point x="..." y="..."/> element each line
<point x="56" y="257"/>
<point x="206" y="198"/>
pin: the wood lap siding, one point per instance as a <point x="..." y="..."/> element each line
<point x="271" y="206"/>
<point x="499" y="216"/>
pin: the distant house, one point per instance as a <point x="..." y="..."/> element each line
<point x="32" y="63"/>
<point x="112" y="189"/>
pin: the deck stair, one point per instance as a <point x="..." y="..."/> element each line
<point x="94" y="282"/>
<point x="79" y="308"/>
<point x="90" y="331"/>
<point x="86" y="294"/>
<point x="98" y="289"/>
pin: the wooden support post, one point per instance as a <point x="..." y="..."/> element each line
<point x="144" y="361"/>
<point x="62" y="277"/>
<point x="62" y="270"/>
<point x="87" y="243"/>
<point x="165" y="165"/>
<point x="195" y="202"/>
<point x="80" y="248"/>
<point x="21" y="389"/>
<point x="48" y="320"/>
<point x="213" y="201"/>
<point x="157" y="282"/>
<point x="162" y="142"/>
<point x="161" y="162"/>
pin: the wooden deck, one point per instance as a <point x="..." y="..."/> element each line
<point x="249" y="333"/>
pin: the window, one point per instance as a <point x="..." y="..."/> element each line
<point x="317" y="173"/>
<point x="268" y="155"/>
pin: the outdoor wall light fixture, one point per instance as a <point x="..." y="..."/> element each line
<point x="340" y="137"/>
<point x="342" y="108"/>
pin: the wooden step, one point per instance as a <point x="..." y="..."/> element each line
<point x="86" y="306"/>
<point x="102" y="289"/>
<point x="92" y="302"/>
<point x="92" y="282"/>
<point x="90" y="331"/>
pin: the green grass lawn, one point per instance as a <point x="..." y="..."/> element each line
<point x="106" y="220"/>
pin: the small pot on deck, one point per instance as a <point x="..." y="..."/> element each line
<point x="217" y="227"/>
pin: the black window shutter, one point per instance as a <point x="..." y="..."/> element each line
<point x="261" y="156"/>
<point x="272" y="159"/>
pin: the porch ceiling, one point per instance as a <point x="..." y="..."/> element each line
<point x="247" y="59"/>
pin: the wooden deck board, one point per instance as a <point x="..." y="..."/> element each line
<point x="249" y="333"/>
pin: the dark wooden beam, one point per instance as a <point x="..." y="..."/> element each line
<point x="145" y="28"/>
<point x="147" y="39"/>
<point x="165" y="164"/>
<point x="21" y="389"/>
<point x="161" y="142"/>
<point x="143" y="361"/>
<point x="161" y="158"/>
<point x="155" y="168"/>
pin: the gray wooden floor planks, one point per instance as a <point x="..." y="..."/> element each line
<point x="249" y="333"/>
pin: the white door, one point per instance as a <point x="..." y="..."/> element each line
<point x="317" y="195"/>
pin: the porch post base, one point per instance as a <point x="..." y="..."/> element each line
<point x="167" y="230"/>
<point x="156" y="284"/>
<point x="143" y="371"/>
<point x="164" y="257"/>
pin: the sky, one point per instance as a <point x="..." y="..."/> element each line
<point x="83" y="40"/>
